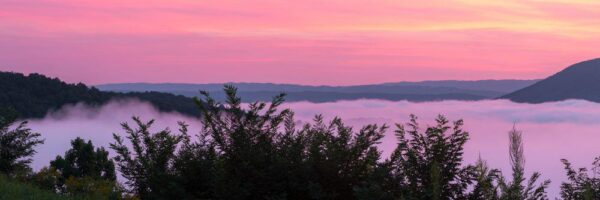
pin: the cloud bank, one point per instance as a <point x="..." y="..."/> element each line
<point x="568" y="129"/>
<point x="97" y="124"/>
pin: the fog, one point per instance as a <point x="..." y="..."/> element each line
<point x="97" y="124"/>
<point x="551" y="131"/>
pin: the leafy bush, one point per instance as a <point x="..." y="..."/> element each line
<point x="581" y="185"/>
<point x="148" y="166"/>
<point x="428" y="165"/>
<point x="16" y="145"/>
<point x="84" y="170"/>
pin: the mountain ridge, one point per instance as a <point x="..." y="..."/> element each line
<point x="411" y="91"/>
<point x="34" y="95"/>
<point x="578" y="81"/>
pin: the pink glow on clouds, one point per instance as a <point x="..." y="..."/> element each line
<point x="307" y="42"/>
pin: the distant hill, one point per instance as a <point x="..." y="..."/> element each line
<point x="411" y="91"/>
<point x="32" y="96"/>
<point x="499" y="86"/>
<point x="578" y="81"/>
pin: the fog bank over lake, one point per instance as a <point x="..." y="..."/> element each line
<point x="551" y="131"/>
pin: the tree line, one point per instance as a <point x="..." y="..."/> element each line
<point x="259" y="152"/>
<point x="32" y="96"/>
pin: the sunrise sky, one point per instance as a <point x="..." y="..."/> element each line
<point x="332" y="42"/>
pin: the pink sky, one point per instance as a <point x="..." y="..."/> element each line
<point x="334" y="42"/>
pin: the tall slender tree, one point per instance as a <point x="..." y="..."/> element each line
<point x="518" y="188"/>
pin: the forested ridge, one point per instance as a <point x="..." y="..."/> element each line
<point x="408" y="91"/>
<point x="259" y="152"/>
<point x="578" y="81"/>
<point x="33" y="95"/>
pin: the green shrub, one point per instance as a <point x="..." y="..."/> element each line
<point x="11" y="189"/>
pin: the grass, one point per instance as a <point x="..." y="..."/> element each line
<point x="10" y="189"/>
<point x="13" y="190"/>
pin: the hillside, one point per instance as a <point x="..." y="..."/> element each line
<point x="500" y="86"/>
<point x="411" y="91"/>
<point x="32" y="96"/>
<point x="578" y="81"/>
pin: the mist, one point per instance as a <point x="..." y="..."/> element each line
<point x="98" y="124"/>
<point x="551" y="131"/>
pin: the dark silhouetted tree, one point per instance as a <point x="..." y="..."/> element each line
<point x="84" y="169"/>
<point x="147" y="165"/>
<point x="83" y="160"/>
<point x="196" y="167"/>
<point x="428" y="165"/>
<point x="580" y="184"/>
<point x="244" y="141"/>
<point x="261" y="154"/>
<point x="342" y="163"/>
<point x="517" y="188"/>
<point x="33" y="95"/>
<point x="486" y="187"/>
<point x="256" y="151"/>
<point x="16" y="145"/>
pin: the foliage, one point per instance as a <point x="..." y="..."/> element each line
<point x="47" y="178"/>
<point x="261" y="154"/>
<point x="32" y="96"/>
<point x="164" y="102"/>
<point x="83" y="170"/>
<point x="195" y="168"/>
<point x="82" y="160"/>
<point x="12" y="189"/>
<point x="516" y="189"/>
<point x="251" y="154"/>
<point x="148" y="164"/>
<point x="486" y="187"/>
<point x="92" y="188"/>
<point x="16" y="145"/>
<point x="245" y="144"/>
<point x="580" y="184"/>
<point x="428" y="165"/>
<point x="258" y="152"/>
<point x="342" y="163"/>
